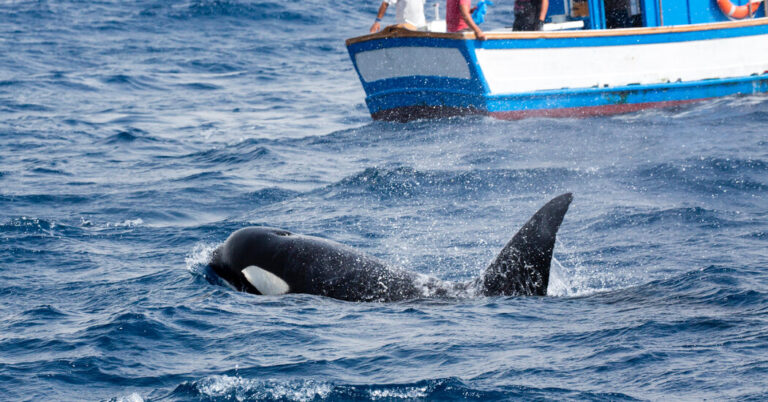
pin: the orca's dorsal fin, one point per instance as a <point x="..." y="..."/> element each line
<point x="522" y="266"/>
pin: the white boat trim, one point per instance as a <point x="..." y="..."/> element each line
<point x="525" y="70"/>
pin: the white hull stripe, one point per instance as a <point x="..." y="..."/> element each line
<point x="524" y="70"/>
<point x="409" y="61"/>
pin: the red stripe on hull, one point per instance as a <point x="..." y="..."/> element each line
<point x="408" y="113"/>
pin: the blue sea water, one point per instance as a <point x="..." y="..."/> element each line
<point x="136" y="135"/>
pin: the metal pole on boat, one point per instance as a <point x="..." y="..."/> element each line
<point x="661" y="15"/>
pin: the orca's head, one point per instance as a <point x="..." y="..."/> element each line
<point x="249" y="260"/>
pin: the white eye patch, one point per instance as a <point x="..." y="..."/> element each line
<point x="265" y="282"/>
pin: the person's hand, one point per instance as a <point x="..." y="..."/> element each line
<point x="480" y="35"/>
<point x="375" y="27"/>
<point x="539" y="25"/>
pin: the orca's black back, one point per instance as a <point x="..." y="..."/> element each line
<point x="311" y="265"/>
<point x="323" y="267"/>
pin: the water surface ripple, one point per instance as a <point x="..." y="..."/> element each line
<point x="137" y="135"/>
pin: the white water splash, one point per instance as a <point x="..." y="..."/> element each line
<point x="557" y="286"/>
<point x="238" y="388"/>
<point x="581" y="280"/>
<point x="134" y="397"/>
<point x="578" y="280"/>
<point x="128" y="223"/>
<point x="409" y="393"/>
<point x="199" y="257"/>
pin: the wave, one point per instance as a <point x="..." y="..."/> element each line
<point x="47" y="171"/>
<point x="76" y="228"/>
<point x="226" y="387"/>
<point x="130" y="81"/>
<point x="406" y="182"/>
<point x="130" y="135"/>
<point x="118" y="332"/>
<point x="254" y="11"/>
<point x="210" y="66"/>
<point x="23" y="9"/>
<point x="621" y="217"/>
<point x="39" y="316"/>
<point x="199" y="86"/>
<point x="12" y="107"/>
<point x="60" y="80"/>
<point x="708" y="175"/>
<point x="231" y="155"/>
<point x="743" y="108"/>
<point x="759" y="235"/>
<point x="57" y="199"/>
<point x="11" y="83"/>
<point x="27" y="225"/>
<point x="271" y="195"/>
<point x="710" y="286"/>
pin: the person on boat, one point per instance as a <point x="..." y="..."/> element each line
<point x="458" y="17"/>
<point x="530" y="15"/>
<point x="410" y="12"/>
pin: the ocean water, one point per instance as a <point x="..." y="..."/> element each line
<point x="136" y="135"/>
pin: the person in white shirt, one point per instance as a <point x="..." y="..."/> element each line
<point x="407" y="12"/>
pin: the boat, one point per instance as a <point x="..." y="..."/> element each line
<point x="593" y="57"/>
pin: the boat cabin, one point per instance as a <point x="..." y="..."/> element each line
<point x="611" y="14"/>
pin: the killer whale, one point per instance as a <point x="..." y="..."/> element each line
<point x="269" y="261"/>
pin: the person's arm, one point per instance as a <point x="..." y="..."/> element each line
<point x="543" y="13"/>
<point x="382" y="9"/>
<point x="468" y="19"/>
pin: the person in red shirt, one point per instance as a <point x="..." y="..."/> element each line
<point x="458" y="17"/>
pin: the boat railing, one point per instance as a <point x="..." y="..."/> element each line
<point x="406" y="31"/>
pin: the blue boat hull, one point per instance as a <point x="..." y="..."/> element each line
<point x="395" y="91"/>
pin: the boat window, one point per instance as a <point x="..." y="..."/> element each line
<point x="579" y="9"/>
<point x="623" y="14"/>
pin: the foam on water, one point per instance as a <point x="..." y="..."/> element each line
<point x="134" y="397"/>
<point x="200" y="255"/>
<point x="244" y="389"/>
